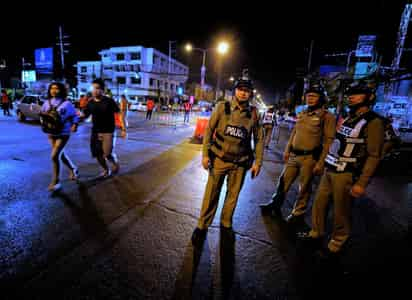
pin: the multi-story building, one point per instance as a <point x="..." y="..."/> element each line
<point x="136" y="71"/>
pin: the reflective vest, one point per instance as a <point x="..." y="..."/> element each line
<point x="350" y="137"/>
<point x="268" y="118"/>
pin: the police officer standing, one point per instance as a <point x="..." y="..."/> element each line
<point x="304" y="154"/>
<point x="350" y="163"/>
<point x="229" y="154"/>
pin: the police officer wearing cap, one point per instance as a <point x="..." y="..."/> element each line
<point x="227" y="152"/>
<point x="304" y="154"/>
<point x="350" y="163"/>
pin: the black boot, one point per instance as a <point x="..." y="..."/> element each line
<point x="308" y="242"/>
<point x="296" y="221"/>
<point x="271" y="208"/>
<point x="198" y="236"/>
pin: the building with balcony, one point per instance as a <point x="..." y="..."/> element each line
<point x="136" y="71"/>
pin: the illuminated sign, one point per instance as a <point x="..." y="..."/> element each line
<point x="28" y="76"/>
<point x="43" y="59"/>
<point x="366" y="45"/>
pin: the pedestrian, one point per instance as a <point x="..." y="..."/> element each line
<point x="227" y="152"/>
<point x="150" y="106"/>
<point x="59" y="134"/>
<point x="124" y="107"/>
<point x="102" y="141"/>
<point x="83" y="102"/>
<point x="186" y="107"/>
<point x="268" y="123"/>
<point x="350" y="163"/>
<point x="304" y="154"/>
<point x="5" y="103"/>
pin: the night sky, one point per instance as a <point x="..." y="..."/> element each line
<point x="271" y="40"/>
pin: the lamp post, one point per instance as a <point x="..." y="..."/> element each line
<point x="189" y="48"/>
<point x="222" y="48"/>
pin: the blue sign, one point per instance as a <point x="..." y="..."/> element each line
<point x="364" y="69"/>
<point x="180" y="90"/>
<point x="43" y="59"/>
<point x="366" y="46"/>
<point x="325" y="70"/>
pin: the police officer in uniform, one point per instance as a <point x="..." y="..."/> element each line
<point x="304" y="154"/>
<point x="350" y="163"/>
<point x="227" y="152"/>
<point x="268" y="122"/>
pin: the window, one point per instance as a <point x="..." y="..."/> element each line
<point x="120" y="56"/>
<point x="28" y="100"/>
<point x="165" y="85"/>
<point x="151" y="82"/>
<point x="108" y="68"/>
<point x="155" y="59"/>
<point x="136" y="68"/>
<point x="172" y="87"/>
<point x="121" y="80"/>
<point x="83" y="69"/>
<point x="135" y="80"/>
<point x="135" y="56"/>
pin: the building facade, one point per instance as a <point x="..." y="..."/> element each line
<point x="136" y="72"/>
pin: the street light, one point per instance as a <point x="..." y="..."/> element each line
<point x="232" y="78"/>
<point x="189" y="47"/>
<point x="222" y="48"/>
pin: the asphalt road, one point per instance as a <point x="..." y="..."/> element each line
<point x="128" y="237"/>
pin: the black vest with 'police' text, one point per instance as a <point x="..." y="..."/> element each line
<point x="348" y="151"/>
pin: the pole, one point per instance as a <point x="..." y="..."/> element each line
<point x="219" y="75"/>
<point x="348" y="61"/>
<point x="203" y="71"/>
<point x="310" y="55"/>
<point x="61" y="49"/>
<point x="168" y="67"/>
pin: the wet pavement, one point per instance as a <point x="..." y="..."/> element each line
<point x="128" y="237"/>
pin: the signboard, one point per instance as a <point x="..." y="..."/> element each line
<point x="43" y="59"/>
<point x="28" y="76"/>
<point x="366" y="45"/>
<point x="180" y="91"/>
<point x="326" y="70"/>
<point x="364" y="69"/>
<point x="192" y="99"/>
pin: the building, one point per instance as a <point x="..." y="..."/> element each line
<point x="135" y="71"/>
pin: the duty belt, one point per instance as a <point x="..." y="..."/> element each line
<point x="302" y="152"/>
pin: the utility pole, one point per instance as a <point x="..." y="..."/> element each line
<point x="310" y="55"/>
<point x="172" y="50"/>
<point x="62" y="43"/>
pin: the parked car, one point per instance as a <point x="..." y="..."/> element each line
<point x="133" y="105"/>
<point x="141" y="106"/>
<point x="29" y="107"/>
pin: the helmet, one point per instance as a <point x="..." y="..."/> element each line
<point x="359" y="87"/>
<point x="243" y="82"/>
<point x="317" y="88"/>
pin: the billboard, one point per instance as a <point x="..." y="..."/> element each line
<point x="366" y="46"/>
<point x="326" y="70"/>
<point x="28" y="76"/>
<point x="43" y="59"/>
<point x="364" y="69"/>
